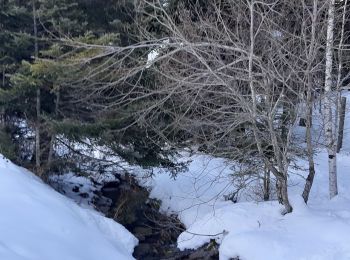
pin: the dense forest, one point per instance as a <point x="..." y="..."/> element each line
<point x="260" y="85"/>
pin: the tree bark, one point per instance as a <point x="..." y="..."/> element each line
<point x="341" y="102"/>
<point x="282" y="194"/>
<point x="341" y="123"/>
<point x="329" y="120"/>
<point x="310" y="151"/>
<point x="267" y="181"/>
<point x="309" y="112"/>
<point x="37" y="134"/>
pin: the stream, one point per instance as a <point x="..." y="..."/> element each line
<point x="129" y="204"/>
<point x="157" y="233"/>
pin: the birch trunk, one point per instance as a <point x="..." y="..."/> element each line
<point x="328" y="114"/>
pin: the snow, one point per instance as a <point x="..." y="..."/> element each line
<point x="37" y="223"/>
<point x="151" y="57"/>
<point x="257" y="230"/>
<point x="197" y="188"/>
<point x="153" y="54"/>
<point x="248" y="229"/>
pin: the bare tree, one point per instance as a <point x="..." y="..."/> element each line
<point x="224" y="83"/>
<point x="230" y="78"/>
<point x="313" y="59"/>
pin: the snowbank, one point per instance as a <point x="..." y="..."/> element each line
<point x="255" y="231"/>
<point x="37" y="223"/>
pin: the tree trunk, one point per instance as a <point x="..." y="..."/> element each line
<point x="38" y="101"/>
<point x="282" y="178"/>
<point x="282" y="194"/>
<point x="309" y="145"/>
<point x="341" y="123"/>
<point x="266" y="184"/>
<point x="35" y="30"/>
<point x="37" y="134"/>
<point x="329" y="123"/>
<point x="309" y="104"/>
<point x="310" y="151"/>
<point x="341" y="102"/>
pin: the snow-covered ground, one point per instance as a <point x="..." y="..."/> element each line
<point x="256" y="231"/>
<point x="38" y="223"/>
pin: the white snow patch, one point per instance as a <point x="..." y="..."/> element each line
<point x="255" y="231"/>
<point x="37" y="223"/>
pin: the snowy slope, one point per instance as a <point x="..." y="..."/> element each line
<point x="37" y="223"/>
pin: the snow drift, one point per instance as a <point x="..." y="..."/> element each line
<point x="37" y="223"/>
<point x="252" y="230"/>
<point x="257" y="230"/>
